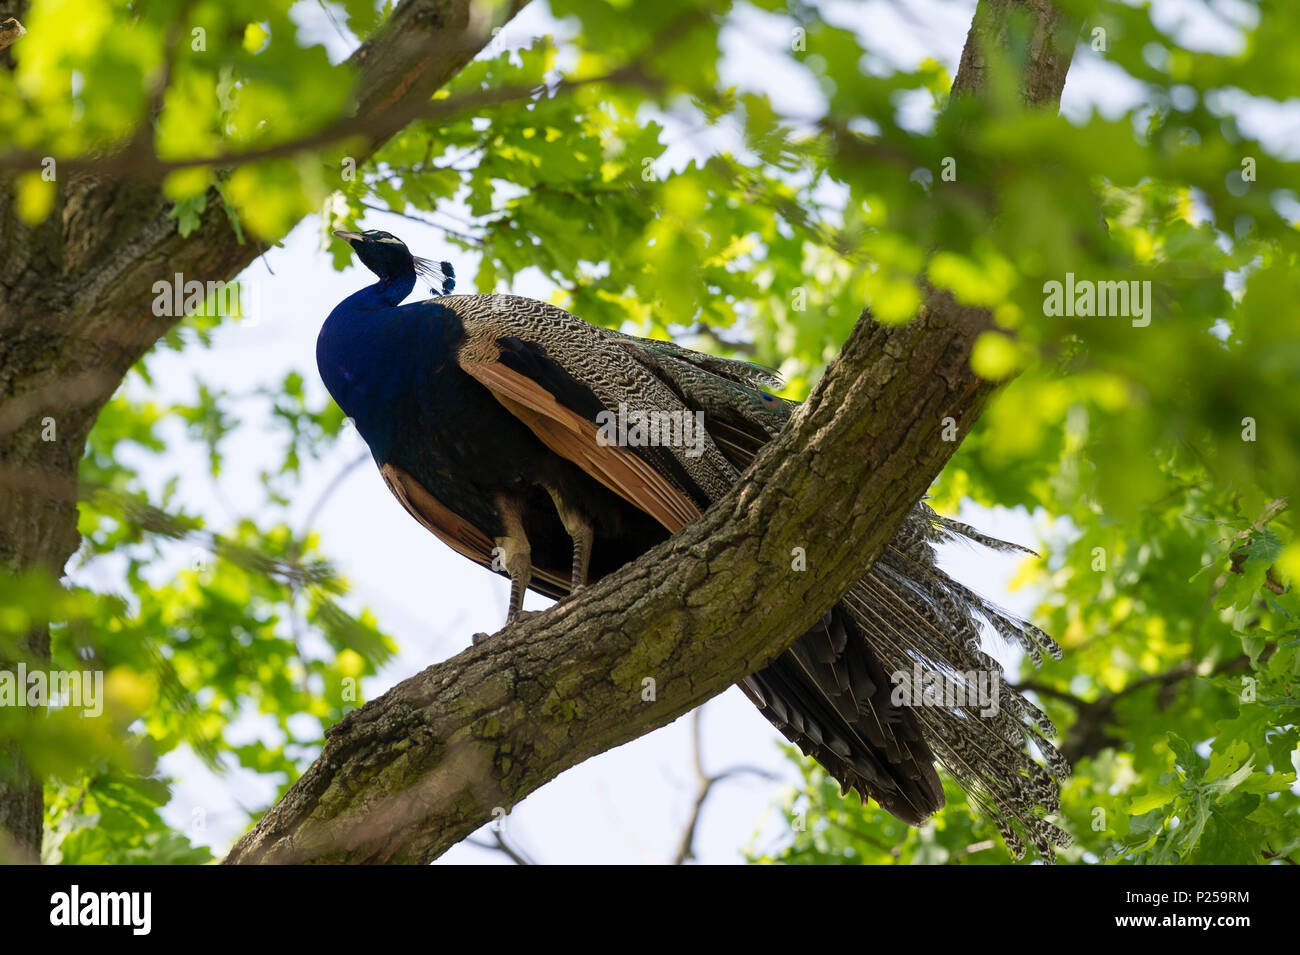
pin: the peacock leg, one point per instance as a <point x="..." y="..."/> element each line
<point x="583" y="534"/>
<point x="516" y="554"/>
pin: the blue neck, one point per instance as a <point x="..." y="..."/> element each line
<point x="373" y="355"/>
<point x="386" y="293"/>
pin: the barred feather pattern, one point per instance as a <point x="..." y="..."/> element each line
<point x="912" y="618"/>
<point x="740" y="372"/>
<point x="596" y="357"/>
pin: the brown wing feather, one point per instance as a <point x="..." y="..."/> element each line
<point x="572" y="436"/>
<point x="452" y="529"/>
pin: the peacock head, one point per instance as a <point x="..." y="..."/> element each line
<point x="388" y="257"/>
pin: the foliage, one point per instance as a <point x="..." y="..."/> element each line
<point x="675" y="205"/>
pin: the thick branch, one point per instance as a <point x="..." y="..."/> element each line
<point x="1049" y="34"/>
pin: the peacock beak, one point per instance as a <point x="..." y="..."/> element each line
<point x="348" y="237"/>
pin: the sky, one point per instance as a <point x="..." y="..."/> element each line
<point x="629" y="805"/>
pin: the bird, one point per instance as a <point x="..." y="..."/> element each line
<point x="494" y="418"/>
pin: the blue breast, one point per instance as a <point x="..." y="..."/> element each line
<point x="387" y="365"/>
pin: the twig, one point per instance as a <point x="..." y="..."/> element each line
<point x="686" y="848"/>
<point x="500" y="845"/>
<point x="1088" y="730"/>
<point x="463" y="236"/>
<point x="974" y="847"/>
<point x="330" y="488"/>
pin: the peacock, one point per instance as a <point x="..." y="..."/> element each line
<point x="488" y="417"/>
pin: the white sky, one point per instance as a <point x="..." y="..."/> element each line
<point x="631" y="804"/>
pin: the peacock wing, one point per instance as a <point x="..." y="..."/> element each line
<point x="563" y="414"/>
<point x="456" y="532"/>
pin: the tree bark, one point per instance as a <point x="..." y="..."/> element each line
<point x="75" y="312"/>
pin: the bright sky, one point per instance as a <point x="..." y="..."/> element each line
<point x="631" y="804"/>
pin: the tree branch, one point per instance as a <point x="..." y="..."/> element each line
<point x="1089" y="734"/>
<point x="372" y="130"/>
<point x="704" y="787"/>
<point x="500" y="845"/>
